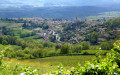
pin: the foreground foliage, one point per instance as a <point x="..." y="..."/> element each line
<point x="5" y="69"/>
<point x="108" y="66"/>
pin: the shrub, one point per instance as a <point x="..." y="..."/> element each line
<point x="85" y="45"/>
<point x="94" y="47"/>
<point x="106" y="45"/>
<point x="85" y="53"/>
<point x="15" y="70"/>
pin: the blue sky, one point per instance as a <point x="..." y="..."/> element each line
<point x="57" y="2"/>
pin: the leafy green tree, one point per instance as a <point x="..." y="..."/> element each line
<point x="85" y="45"/>
<point x="4" y="30"/>
<point x="77" y="48"/>
<point x="93" y="38"/>
<point x="65" y="48"/>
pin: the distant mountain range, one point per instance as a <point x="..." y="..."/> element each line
<point x="64" y="12"/>
<point x="46" y="3"/>
<point x="62" y="9"/>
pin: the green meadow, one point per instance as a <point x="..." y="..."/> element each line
<point x="49" y="64"/>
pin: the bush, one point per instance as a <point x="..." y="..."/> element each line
<point x="106" y="45"/>
<point x="27" y="56"/>
<point x="85" y="53"/>
<point x="11" y="55"/>
<point x="85" y="45"/>
<point x="94" y="47"/>
<point x="20" y="53"/>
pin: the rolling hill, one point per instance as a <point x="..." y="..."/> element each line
<point x="68" y="12"/>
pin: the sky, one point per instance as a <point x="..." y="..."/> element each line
<point x="42" y="3"/>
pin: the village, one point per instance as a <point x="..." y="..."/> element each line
<point x="64" y="31"/>
<point x="60" y="31"/>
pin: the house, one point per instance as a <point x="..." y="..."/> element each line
<point x="117" y="31"/>
<point x="106" y="34"/>
<point x="101" y="39"/>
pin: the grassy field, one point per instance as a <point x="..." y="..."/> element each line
<point x="10" y="25"/>
<point x="95" y="51"/>
<point x="67" y="61"/>
<point x="49" y="64"/>
<point x="18" y="31"/>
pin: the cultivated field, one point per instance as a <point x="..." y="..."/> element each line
<point x="49" y="64"/>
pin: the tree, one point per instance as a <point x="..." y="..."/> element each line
<point x="4" y="30"/>
<point x="24" y="25"/>
<point x="65" y="48"/>
<point x="93" y="38"/>
<point x="85" y="45"/>
<point x="77" y="48"/>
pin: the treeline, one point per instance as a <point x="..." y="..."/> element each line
<point x="29" y="49"/>
<point x="21" y="33"/>
<point x="24" y="42"/>
<point x="77" y="48"/>
<point x="38" y="49"/>
<point x="13" y="20"/>
<point x="32" y="25"/>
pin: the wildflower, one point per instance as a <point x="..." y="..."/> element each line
<point x="117" y="46"/>
<point x="115" y="73"/>
<point x="92" y="66"/>
<point x="35" y="70"/>
<point x="97" y="65"/>
<point x="22" y="73"/>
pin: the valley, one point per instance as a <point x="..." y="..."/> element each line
<point x="59" y="37"/>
